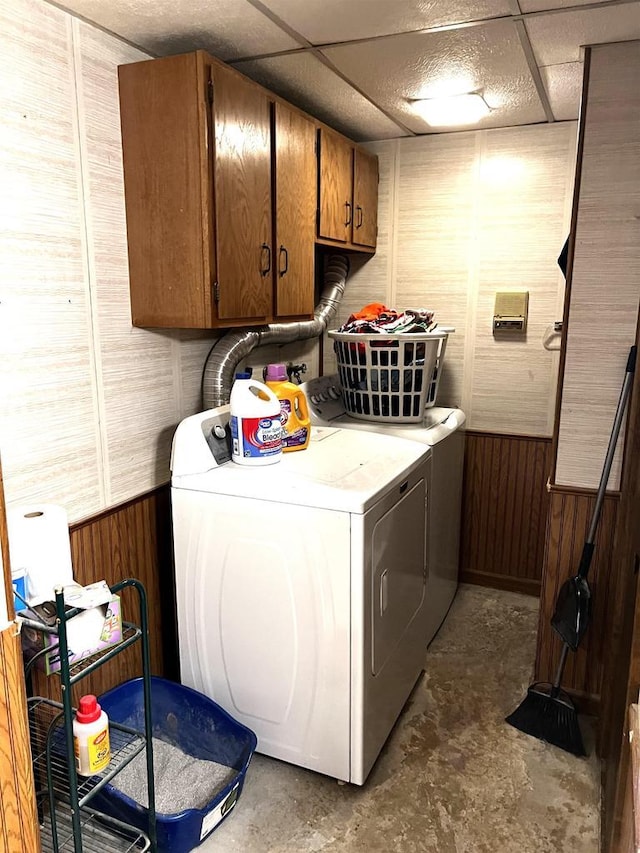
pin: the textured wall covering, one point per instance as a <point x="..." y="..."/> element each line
<point x="605" y="286"/>
<point x="461" y="217"/>
<point x="48" y="419"/>
<point x="89" y="403"/>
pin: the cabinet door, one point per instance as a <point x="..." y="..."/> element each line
<point x="295" y="187"/>
<point x="336" y="177"/>
<point x="365" y="198"/>
<point x="162" y="107"/>
<point x="242" y="197"/>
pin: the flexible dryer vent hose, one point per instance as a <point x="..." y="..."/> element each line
<point x="231" y="349"/>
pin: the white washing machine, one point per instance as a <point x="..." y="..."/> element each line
<point x="301" y="587"/>
<point x="443" y="431"/>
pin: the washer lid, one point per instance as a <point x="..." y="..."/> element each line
<point x="342" y="470"/>
<point x="438" y="423"/>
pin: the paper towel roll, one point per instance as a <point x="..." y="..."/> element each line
<point x="39" y="544"/>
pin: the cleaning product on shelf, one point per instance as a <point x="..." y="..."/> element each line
<point x="294" y="412"/>
<point x="91" y="737"/>
<point x="256" y="428"/>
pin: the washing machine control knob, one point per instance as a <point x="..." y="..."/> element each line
<point x="333" y="393"/>
<point x="219" y="431"/>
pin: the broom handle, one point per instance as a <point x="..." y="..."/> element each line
<point x="588" y="547"/>
<point x="555" y="687"/>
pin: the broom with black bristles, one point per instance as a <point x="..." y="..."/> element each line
<point x="547" y="712"/>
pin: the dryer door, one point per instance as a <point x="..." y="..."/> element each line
<point x="389" y="604"/>
<point x="398" y="574"/>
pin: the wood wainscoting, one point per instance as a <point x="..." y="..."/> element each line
<point x="19" y="825"/>
<point x="19" y="831"/>
<point x="132" y="540"/>
<point x="504" y="510"/>
<point x="569" y="519"/>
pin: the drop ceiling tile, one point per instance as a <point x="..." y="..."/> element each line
<point x="303" y="80"/>
<point x="542" y="5"/>
<point x="557" y="38"/>
<point x="563" y="84"/>
<point x="227" y="28"/>
<point x="325" y="21"/>
<point x="488" y="57"/>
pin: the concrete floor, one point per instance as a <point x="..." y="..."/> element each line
<point x="453" y="777"/>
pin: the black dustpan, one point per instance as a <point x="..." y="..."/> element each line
<point x="573" y="609"/>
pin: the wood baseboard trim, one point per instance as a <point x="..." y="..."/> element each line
<point x="481" y="433"/>
<point x="528" y="586"/>
<point x="581" y="491"/>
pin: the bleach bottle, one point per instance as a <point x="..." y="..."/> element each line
<point x="294" y="411"/>
<point x="256" y="429"/>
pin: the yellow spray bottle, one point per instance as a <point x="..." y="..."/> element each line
<point x="294" y="411"/>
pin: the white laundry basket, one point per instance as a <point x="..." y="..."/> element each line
<point x="389" y="377"/>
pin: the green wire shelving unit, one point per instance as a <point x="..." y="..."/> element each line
<point x="67" y="821"/>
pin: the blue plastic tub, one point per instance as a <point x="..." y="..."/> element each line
<point x="197" y="726"/>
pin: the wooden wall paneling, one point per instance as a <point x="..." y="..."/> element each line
<point x="133" y="540"/>
<point x="621" y="669"/>
<point x="504" y="510"/>
<point x="569" y="518"/>
<point x="19" y="831"/>
<point x="4" y="551"/>
<point x="629" y="832"/>
<point x="571" y="247"/>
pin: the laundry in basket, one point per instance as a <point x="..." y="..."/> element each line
<point x="388" y="377"/>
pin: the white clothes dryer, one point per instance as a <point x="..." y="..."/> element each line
<point x="301" y="587"/>
<point x="443" y="431"/>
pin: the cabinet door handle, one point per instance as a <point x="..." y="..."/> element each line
<point x="360" y="216"/>
<point x="347" y="214"/>
<point x="265" y="270"/>
<point x="283" y="254"/>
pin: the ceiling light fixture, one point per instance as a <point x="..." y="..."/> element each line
<point x="454" y="110"/>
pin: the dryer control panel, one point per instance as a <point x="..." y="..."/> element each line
<point x="324" y="396"/>
<point x="218" y="437"/>
<point x="201" y="443"/>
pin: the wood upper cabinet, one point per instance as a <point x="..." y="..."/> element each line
<point x="295" y="211"/>
<point x="198" y="151"/>
<point x="348" y="203"/>
<point x="365" y="198"/>
<point x="241" y="167"/>
<point x="221" y="193"/>
<point x="163" y="114"/>
<point x="336" y="188"/>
